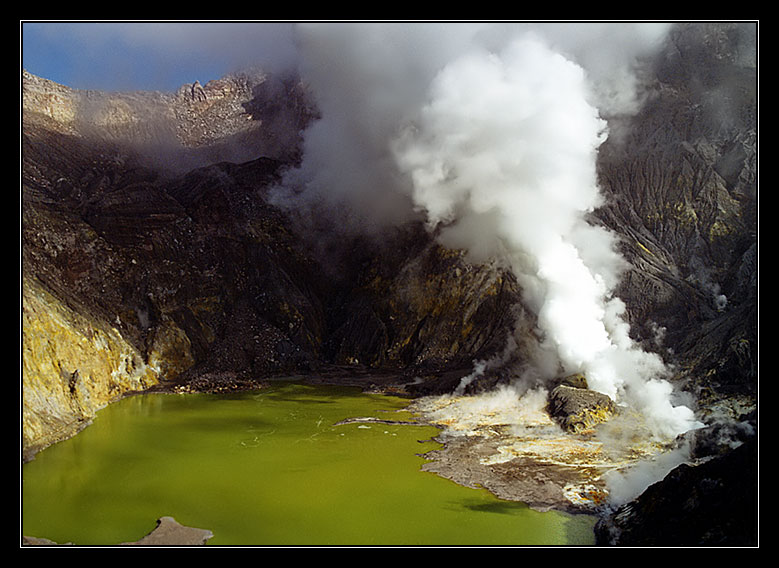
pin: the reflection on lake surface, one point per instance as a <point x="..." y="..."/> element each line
<point x="268" y="467"/>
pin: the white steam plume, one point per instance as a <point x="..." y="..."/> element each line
<point x="492" y="133"/>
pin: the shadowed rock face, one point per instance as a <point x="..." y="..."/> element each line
<point x="693" y="506"/>
<point x="683" y="192"/>
<point x="680" y="180"/>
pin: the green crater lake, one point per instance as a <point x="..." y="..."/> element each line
<point x="268" y="467"/>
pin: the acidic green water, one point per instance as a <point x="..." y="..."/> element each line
<point x="268" y="468"/>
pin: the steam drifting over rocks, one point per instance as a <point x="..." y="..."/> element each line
<point x="491" y="135"/>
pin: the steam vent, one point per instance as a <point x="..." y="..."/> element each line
<point x="559" y="276"/>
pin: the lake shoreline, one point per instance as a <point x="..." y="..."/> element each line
<point x="454" y="461"/>
<point x="540" y="486"/>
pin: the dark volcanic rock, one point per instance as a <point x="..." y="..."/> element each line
<point x="712" y="504"/>
<point x="416" y="305"/>
<point x="680" y="180"/>
<point x="683" y="194"/>
<point x="576" y="408"/>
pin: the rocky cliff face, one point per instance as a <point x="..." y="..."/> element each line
<point x="683" y="187"/>
<point x="682" y="183"/>
<point x="111" y="258"/>
<point x="152" y="255"/>
<point x="193" y="273"/>
<point x="683" y="194"/>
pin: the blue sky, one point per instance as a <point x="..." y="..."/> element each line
<point x="146" y="55"/>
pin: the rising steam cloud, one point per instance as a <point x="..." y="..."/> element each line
<point x="491" y="133"/>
